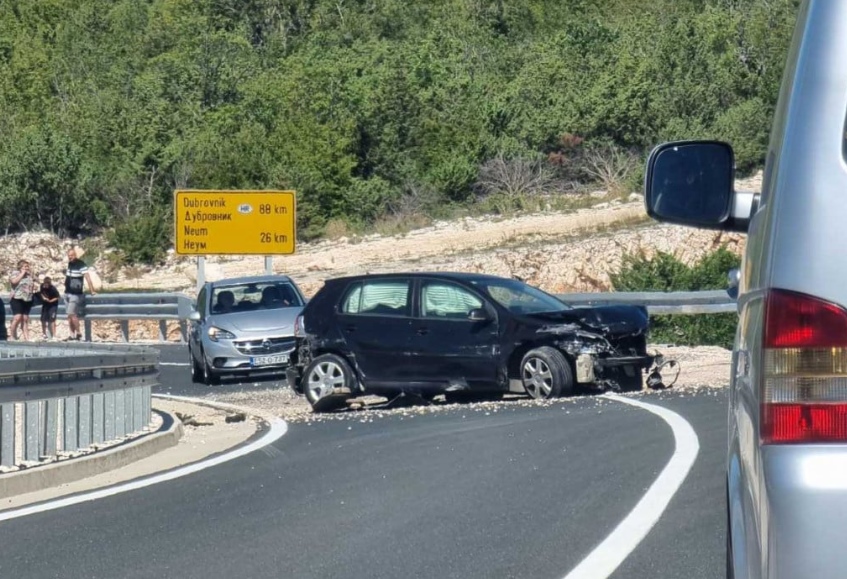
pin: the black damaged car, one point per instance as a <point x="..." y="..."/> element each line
<point x="461" y="335"/>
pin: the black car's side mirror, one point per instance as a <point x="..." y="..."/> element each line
<point x="479" y="315"/>
<point x="692" y="183"/>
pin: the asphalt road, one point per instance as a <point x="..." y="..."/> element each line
<point x="522" y="492"/>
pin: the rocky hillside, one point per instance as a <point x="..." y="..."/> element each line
<point x="560" y="252"/>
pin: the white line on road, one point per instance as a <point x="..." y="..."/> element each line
<point x="278" y="428"/>
<point x="174" y="364"/>
<point x="615" y="548"/>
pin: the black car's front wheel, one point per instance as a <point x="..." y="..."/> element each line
<point x="323" y="381"/>
<point x="546" y="373"/>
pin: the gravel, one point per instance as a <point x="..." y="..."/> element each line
<point x="702" y="369"/>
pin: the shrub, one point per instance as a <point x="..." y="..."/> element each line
<point x="143" y="239"/>
<point x="665" y="272"/>
<point x="513" y="177"/>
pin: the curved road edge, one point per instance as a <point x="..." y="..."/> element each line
<point x="625" y="538"/>
<point x="277" y="429"/>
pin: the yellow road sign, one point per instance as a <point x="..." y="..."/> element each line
<point x="234" y="222"/>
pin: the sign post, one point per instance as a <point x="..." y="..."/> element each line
<point x="220" y="222"/>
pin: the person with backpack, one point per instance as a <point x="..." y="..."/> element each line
<point x="76" y="278"/>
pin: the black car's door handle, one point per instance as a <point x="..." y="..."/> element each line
<point x="423" y="331"/>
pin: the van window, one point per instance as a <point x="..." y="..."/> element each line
<point x="385" y="298"/>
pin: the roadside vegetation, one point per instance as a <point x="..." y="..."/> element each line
<point x="665" y="272"/>
<point x="380" y="114"/>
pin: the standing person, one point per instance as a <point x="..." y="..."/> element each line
<point x="75" y="291"/>
<point x="23" y="286"/>
<point x="49" y="308"/>
<point x="3" y="335"/>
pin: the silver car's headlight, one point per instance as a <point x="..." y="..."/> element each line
<point x="216" y="334"/>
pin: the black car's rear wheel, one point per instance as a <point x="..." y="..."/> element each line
<point x="323" y="380"/>
<point x="546" y="373"/>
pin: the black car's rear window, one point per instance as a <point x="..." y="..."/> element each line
<point x="384" y="297"/>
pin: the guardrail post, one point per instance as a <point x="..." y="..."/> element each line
<point x="128" y="402"/>
<point x="70" y="441"/>
<point x="87" y="325"/>
<point x="97" y="418"/>
<point x="109" y="400"/>
<point x="7" y="434"/>
<point x="147" y="398"/>
<point x="120" y="414"/>
<point x="183" y="330"/>
<point x="163" y="330"/>
<point x="137" y="409"/>
<point x="32" y="413"/>
<point x="125" y="330"/>
<point x="84" y="417"/>
<point x="51" y="419"/>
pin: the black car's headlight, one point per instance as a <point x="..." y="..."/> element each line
<point x="216" y="334"/>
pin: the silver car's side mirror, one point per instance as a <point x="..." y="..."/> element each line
<point x="194" y="316"/>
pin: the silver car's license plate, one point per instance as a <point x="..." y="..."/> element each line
<point x="269" y="360"/>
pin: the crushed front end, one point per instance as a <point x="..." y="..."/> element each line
<point x="609" y="347"/>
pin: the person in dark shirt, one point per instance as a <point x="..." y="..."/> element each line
<point x="49" y="308"/>
<point x="76" y="278"/>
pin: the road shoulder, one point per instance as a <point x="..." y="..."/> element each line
<point x="205" y="432"/>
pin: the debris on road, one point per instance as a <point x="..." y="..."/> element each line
<point x="705" y="368"/>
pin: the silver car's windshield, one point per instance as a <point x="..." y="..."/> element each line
<point x="250" y="297"/>
<point x="520" y="298"/>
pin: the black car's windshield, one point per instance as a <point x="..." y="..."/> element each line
<point x="250" y="297"/>
<point x="520" y="298"/>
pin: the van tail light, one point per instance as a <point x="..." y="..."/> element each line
<point x="805" y="370"/>
<point x="299" y="329"/>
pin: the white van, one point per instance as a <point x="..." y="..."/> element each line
<point x="787" y="445"/>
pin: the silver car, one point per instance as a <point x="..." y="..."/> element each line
<point x="786" y="475"/>
<point x="242" y="326"/>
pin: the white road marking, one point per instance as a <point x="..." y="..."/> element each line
<point x="615" y="548"/>
<point x="174" y="364"/>
<point x="278" y="428"/>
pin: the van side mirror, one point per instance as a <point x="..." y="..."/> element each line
<point x="692" y="183"/>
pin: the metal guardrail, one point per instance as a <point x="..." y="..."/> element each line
<point x="59" y="399"/>
<point x="164" y="307"/>
<point x="123" y="307"/>
<point x="681" y="303"/>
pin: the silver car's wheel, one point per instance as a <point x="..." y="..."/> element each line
<point x="196" y="371"/>
<point x="209" y="376"/>
<point x="546" y="373"/>
<point x="327" y="381"/>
